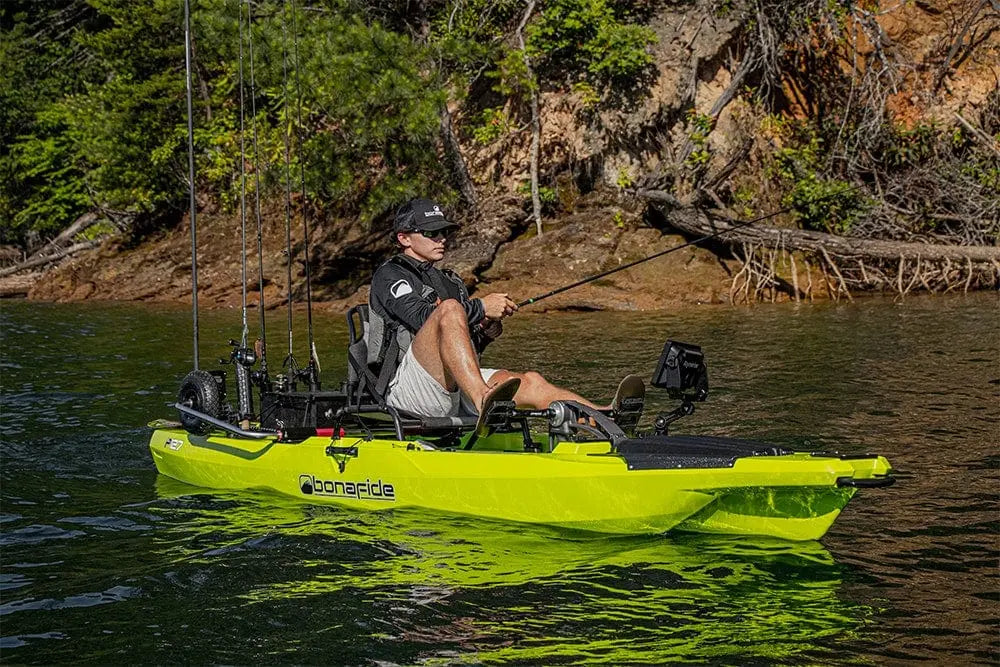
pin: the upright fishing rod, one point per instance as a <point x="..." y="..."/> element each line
<point x="192" y="203"/>
<point x="243" y="189"/>
<point x="256" y="168"/>
<point x="313" y="366"/>
<point x="242" y="357"/>
<point x="584" y="281"/>
<point x="290" y="357"/>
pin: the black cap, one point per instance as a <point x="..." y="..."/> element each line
<point x="421" y="215"/>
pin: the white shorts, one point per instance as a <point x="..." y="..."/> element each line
<point x="414" y="390"/>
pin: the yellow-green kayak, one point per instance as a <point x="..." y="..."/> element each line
<point x="646" y="486"/>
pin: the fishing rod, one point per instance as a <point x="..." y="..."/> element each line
<point x="313" y="366"/>
<point x="290" y="357"/>
<point x="584" y="281"/>
<point x="243" y="191"/>
<point x="257" y="213"/>
<point x="192" y="203"/>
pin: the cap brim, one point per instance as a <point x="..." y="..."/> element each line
<point x="435" y="225"/>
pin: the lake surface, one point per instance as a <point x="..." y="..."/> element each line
<point x="102" y="560"/>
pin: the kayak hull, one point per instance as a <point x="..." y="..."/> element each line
<point x="579" y="486"/>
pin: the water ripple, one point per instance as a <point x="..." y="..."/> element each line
<point x="114" y="594"/>
<point x="906" y="574"/>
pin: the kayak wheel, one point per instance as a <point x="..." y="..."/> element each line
<point x="200" y="391"/>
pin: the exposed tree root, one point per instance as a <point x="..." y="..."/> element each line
<point x="845" y="264"/>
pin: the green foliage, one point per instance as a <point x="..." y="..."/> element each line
<point x="589" y="97"/>
<point x="699" y="127"/>
<point x="493" y="124"/>
<point x="912" y="146"/>
<point x="380" y="103"/>
<point x="512" y="75"/>
<point x="111" y="132"/>
<point x="722" y="8"/>
<point x="96" y="231"/>
<point x="587" y="35"/>
<point x="546" y="194"/>
<point x="817" y="201"/>
<point x="825" y="204"/>
<point x="984" y="171"/>
<point x="468" y="34"/>
<point x="50" y="191"/>
<point x="40" y="62"/>
<point x="744" y="197"/>
<point x="624" y="179"/>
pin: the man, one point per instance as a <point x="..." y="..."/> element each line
<point x="422" y="321"/>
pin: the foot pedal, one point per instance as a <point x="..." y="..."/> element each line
<point x="628" y="403"/>
<point x="497" y="407"/>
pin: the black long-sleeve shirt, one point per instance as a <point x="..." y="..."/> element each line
<point x="407" y="294"/>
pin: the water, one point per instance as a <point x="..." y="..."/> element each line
<point x="105" y="561"/>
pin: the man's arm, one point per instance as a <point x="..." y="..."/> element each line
<point x="475" y="310"/>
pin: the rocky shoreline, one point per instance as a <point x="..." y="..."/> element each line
<point x="496" y="253"/>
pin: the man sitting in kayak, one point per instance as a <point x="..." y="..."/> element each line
<point x="424" y="324"/>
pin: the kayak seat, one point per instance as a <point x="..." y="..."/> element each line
<point x="361" y="379"/>
<point x="369" y="406"/>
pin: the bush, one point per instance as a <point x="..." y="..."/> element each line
<point x="586" y="35"/>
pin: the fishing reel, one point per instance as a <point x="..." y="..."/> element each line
<point x="243" y="358"/>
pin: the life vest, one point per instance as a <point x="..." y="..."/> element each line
<point x="388" y="340"/>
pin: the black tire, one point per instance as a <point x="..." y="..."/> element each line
<point x="200" y="391"/>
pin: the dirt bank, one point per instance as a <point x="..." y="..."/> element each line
<point x="496" y="252"/>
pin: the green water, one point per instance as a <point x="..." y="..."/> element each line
<point x="102" y="560"/>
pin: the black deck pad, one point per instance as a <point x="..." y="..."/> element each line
<point x="660" y="452"/>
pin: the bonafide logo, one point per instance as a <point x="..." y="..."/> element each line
<point x="367" y="490"/>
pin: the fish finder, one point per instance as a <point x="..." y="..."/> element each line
<point x="682" y="372"/>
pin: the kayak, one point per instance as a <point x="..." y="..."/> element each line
<point x="589" y="470"/>
<point x="705" y="485"/>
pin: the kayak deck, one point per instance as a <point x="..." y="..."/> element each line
<point x="712" y="485"/>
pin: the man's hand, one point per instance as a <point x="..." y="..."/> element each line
<point x="498" y="306"/>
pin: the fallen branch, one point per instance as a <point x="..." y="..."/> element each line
<point x="66" y="235"/>
<point x="698" y="223"/>
<point x="985" y="139"/>
<point x="48" y="259"/>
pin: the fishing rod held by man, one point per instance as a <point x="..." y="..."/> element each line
<point x="668" y="198"/>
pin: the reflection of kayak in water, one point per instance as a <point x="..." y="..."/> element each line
<point x="585" y="473"/>
<point x="527" y="594"/>
<point x="468" y="551"/>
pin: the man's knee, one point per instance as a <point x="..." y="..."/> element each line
<point x="450" y="311"/>
<point x="533" y="379"/>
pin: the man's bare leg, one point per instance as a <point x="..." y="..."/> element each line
<point x="443" y="347"/>
<point x="537" y="392"/>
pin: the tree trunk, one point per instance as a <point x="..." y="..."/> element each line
<point x="458" y="165"/>
<point x="696" y="222"/>
<point x="48" y="259"/>
<point x="536" y="126"/>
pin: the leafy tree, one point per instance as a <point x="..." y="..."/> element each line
<point x="40" y="62"/>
